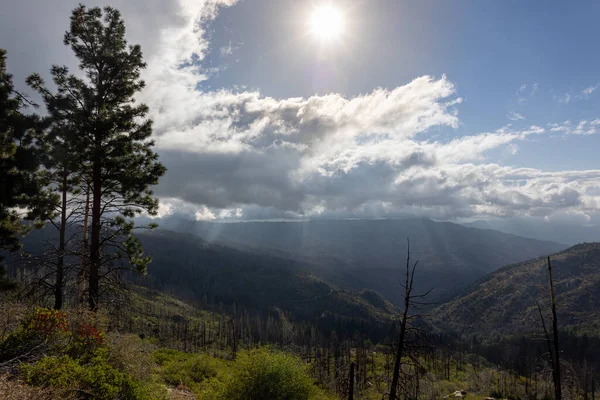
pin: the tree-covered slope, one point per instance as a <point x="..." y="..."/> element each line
<point x="504" y="302"/>
<point x="369" y="253"/>
<point x="192" y="268"/>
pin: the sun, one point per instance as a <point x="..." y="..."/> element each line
<point x="327" y="23"/>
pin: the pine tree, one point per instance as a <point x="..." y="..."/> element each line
<point x="22" y="194"/>
<point x="64" y="166"/>
<point x="115" y="139"/>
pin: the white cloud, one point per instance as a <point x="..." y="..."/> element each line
<point x="235" y="154"/>
<point x="515" y="116"/>
<point x="239" y="154"/>
<point x="229" y="49"/>
<point x="585" y="93"/>
<point x="563" y="99"/>
<point x="526" y="92"/>
<point x="583" y="127"/>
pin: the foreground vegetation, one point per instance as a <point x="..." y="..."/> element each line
<point x="70" y="355"/>
<point x="75" y="354"/>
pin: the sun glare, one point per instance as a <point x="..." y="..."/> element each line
<point x="327" y="23"/>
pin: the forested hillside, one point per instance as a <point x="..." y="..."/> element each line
<point x="504" y="302"/>
<point x="368" y="253"/>
<point x="259" y="278"/>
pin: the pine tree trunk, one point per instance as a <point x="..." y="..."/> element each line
<point x="60" y="262"/>
<point x="94" y="277"/>
<point x="84" y="250"/>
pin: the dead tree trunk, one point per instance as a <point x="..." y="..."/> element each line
<point x="549" y="343"/>
<point x="557" y="383"/>
<point x="351" y="383"/>
<point x="408" y="286"/>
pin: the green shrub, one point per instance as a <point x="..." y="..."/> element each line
<point x="96" y="380"/>
<point x="187" y="370"/>
<point x="42" y="330"/>
<point x="264" y="374"/>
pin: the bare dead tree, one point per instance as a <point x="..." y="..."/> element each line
<point x="351" y="383"/>
<point x="410" y="300"/>
<point x="556" y="359"/>
<point x="548" y="342"/>
<point x="553" y="344"/>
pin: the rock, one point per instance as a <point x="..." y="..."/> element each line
<point x="459" y="394"/>
<point x="456" y="395"/>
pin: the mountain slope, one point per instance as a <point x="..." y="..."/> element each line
<point x="189" y="267"/>
<point x="505" y="301"/>
<point x="312" y="268"/>
<point x="215" y="275"/>
<point x="370" y="253"/>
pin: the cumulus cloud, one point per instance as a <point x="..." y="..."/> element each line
<point x="237" y="154"/>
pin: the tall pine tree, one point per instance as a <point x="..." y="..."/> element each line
<point x="22" y="194"/>
<point x="115" y="135"/>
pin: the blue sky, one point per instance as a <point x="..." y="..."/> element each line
<point x="489" y="50"/>
<point x="453" y="110"/>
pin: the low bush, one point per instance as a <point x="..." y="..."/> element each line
<point x="264" y="374"/>
<point x="96" y="380"/>
<point x="187" y="370"/>
<point x="41" y="331"/>
<point x="71" y="353"/>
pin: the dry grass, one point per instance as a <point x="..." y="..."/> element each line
<point x="178" y="394"/>
<point x="13" y="389"/>
<point x="132" y="355"/>
<point x="12" y="313"/>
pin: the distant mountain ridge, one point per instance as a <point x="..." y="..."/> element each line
<point x="191" y="268"/>
<point x="562" y="232"/>
<point x="504" y="302"/>
<point x="345" y="267"/>
<point x="364" y="253"/>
